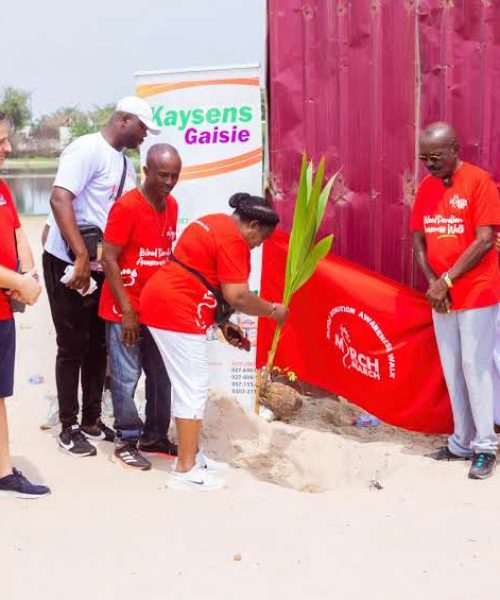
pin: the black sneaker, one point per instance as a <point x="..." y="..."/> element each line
<point x="99" y="432"/>
<point x="164" y="447"/>
<point x="483" y="465"/>
<point x="129" y="456"/>
<point x="72" y="441"/>
<point x="445" y="453"/>
<point x="17" y="486"/>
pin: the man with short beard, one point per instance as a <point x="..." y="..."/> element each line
<point x="137" y="242"/>
<point x="456" y="209"/>
<point x="93" y="171"/>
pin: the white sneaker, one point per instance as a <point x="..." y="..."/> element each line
<point x="195" y="479"/>
<point x="209" y="464"/>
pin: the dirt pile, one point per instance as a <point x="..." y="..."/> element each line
<point x="310" y="458"/>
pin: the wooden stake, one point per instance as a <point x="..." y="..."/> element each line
<point x="258" y="382"/>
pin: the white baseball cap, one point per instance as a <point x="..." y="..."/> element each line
<point x="139" y="108"/>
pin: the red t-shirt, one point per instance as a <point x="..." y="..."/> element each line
<point x="449" y="216"/>
<point x="9" y="222"/>
<point x="175" y="299"/>
<point x="146" y="237"/>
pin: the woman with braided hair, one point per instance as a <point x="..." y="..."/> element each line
<point x="178" y="308"/>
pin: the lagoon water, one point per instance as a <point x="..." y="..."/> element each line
<point x="31" y="191"/>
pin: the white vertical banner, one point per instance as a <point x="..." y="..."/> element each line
<point x="213" y="118"/>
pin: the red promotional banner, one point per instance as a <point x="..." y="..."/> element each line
<point x="362" y="336"/>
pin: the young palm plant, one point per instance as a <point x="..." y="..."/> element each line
<point x="304" y="253"/>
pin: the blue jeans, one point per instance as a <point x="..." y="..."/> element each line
<point x="126" y="364"/>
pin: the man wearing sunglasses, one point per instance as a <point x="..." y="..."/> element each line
<point x="456" y="209"/>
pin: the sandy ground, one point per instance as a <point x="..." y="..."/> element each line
<point x="392" y="525"/>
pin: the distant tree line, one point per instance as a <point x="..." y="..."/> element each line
<point x="17" y="104"/>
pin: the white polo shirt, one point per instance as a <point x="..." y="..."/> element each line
<point x="91" y="169"/>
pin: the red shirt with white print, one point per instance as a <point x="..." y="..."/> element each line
<point x="146" y="237"/>
<point x="9" y="222"/>
<point x="448" y="217"/>
<point x="174" y="299"/>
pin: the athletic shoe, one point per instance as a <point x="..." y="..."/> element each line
<point x="164" y="447"/>
<point x="99" y="432"/>
<point x="209" y="464"/>
<point x="445" y="453"/>
<point x="17" y="486"/>
<point x="72" y="441"/>
<point x="129" y="456"/>
<point x="483" y="465"/>
<point x="195" y="479"/>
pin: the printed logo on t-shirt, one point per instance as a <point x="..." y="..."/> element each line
<point x="128" y="277"/>
<point x="170" y="234"/>
<point x="153" y="257"/>
<point x="452" y="226"/>
<point x="208" y="302"/>
<point x="2" y="200"/>
<point x="202" y="225"/>
<point x="459" y="203"/>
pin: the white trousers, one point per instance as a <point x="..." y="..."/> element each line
<point x="496" y="371"/>
<point x="185" y="356"/>
<point x="465" y="340"/>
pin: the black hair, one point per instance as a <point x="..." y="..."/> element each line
<point x="253" y="208"/>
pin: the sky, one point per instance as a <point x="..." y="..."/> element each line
<point x="85" y="53"/>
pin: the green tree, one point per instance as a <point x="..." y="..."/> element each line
<point x="16" y="104"/>
<point x="91" y="121"/>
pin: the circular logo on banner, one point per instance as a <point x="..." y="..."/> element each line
<point x="361" y="343"/>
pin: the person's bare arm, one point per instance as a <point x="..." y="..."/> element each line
<point x="485" y="240"/>
<point x="26" y="260"/>
<point x="420" y="251"/>
<point x="61" y="202"/>
<point x="130" y="322"/>
<point x="239" y="296"/>
<point x="45" y="234"/>
<point x="25" y="287"/>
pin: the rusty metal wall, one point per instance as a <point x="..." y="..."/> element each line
<point x="354" y="80"/>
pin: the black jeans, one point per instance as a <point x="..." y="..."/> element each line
<point x="81" y="344"/>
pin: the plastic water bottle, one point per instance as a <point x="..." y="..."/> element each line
<point x="366" y="420"/>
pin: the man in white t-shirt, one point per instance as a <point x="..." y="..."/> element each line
<point x="93" y="172"/>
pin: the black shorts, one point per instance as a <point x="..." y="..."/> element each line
<point x="7" y="357"/>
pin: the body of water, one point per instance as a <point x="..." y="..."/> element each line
<point x="31" y="191"/>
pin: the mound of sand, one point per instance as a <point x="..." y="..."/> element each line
<point x="312" y="455"/>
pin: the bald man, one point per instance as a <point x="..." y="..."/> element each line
<point x="137" y="241"/>
<point x="456" y="210"/>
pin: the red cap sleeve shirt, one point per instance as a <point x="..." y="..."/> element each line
<point x="174" y="299"/>
<point x="146" y="237"/>
<point x="9" y="222"/>
<point x="448" y="217"/>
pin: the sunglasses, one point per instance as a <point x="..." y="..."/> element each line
<point x="434" y="157"/>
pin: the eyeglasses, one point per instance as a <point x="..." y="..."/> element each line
<point x="434" y="157"/>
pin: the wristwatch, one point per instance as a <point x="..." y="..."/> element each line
<point x="446" y="278"/>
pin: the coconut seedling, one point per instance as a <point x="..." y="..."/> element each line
<point x="304" y="252"/>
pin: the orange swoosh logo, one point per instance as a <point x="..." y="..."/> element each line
<point x="152" y="89"/>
